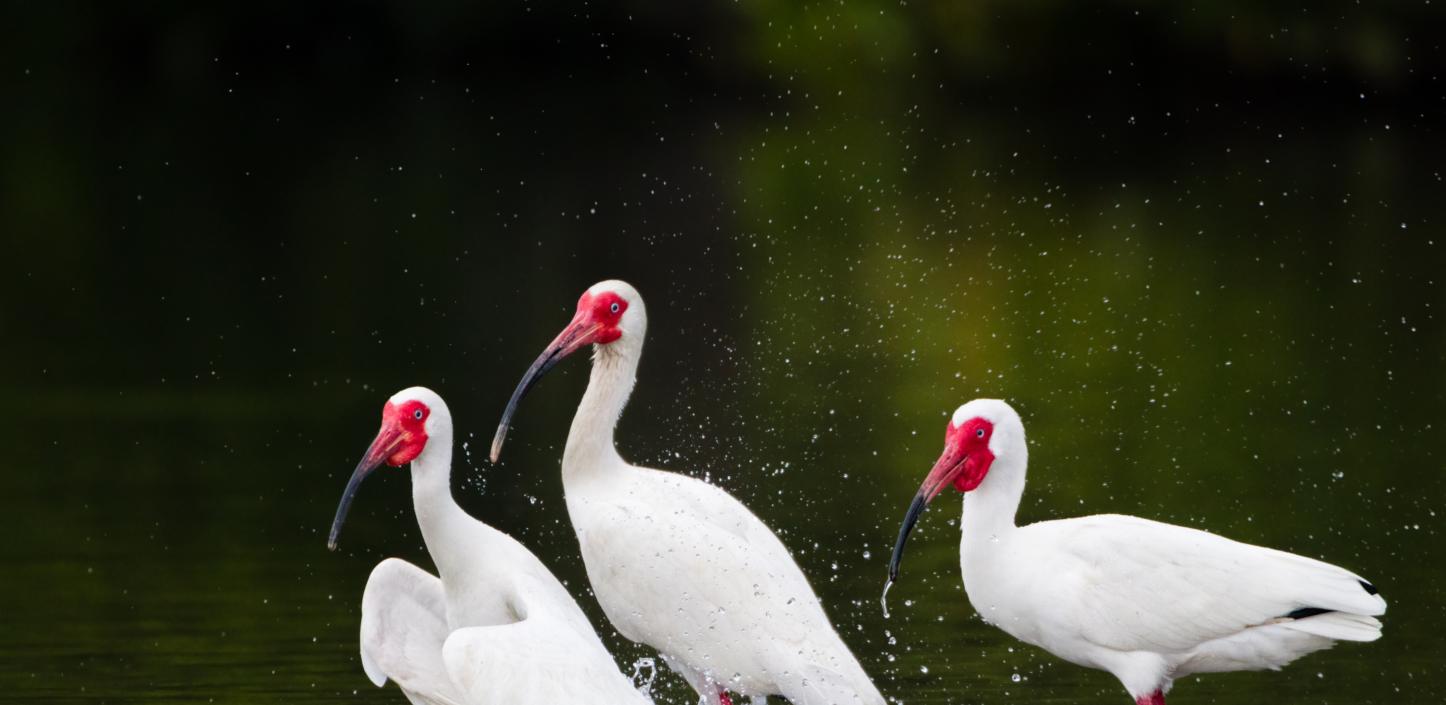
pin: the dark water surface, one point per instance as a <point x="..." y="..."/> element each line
<point x="1208" y="274"/>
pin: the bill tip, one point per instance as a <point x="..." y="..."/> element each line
<point x="497" y="444"/>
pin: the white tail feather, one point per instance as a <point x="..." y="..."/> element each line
<point x="1339" y="625"/>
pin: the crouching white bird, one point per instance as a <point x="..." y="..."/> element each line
<point x="497" y="627"/>
<point x="675" y="562"/>
<point x="1146" y="601"/>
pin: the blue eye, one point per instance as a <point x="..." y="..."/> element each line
<point x="615" y="307"/>
<point x="417" y="414"/>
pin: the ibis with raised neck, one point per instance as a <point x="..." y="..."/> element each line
<point x="1146" y="601"/>
<point x="496" y="627"/>
<point x="678" y="563"/>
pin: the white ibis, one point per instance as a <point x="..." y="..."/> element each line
<point x="676" y="563"/>
<point x="497" y="627"/>
<point x="1146" y="601"/>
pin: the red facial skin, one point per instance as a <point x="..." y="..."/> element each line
<point x="966" y="458"/>
<point x="403" y="434"/>
<point x="599" y="312"/>
<point x="594" y="323"/>
<point x="965" y="462"/>
<point x="597" y="322"/>
<point x="401" y="439"/>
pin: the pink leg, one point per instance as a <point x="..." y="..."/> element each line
<point x="1155" y="698"/>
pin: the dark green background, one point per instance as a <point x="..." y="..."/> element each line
<point x="1198" y="245"/>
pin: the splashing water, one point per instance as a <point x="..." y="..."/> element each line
<point x="884" y="598"/>
<point x="645" y="671"/>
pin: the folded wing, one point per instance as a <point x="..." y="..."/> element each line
<point x="1144" y="585"/>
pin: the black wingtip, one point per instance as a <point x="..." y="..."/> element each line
<point x="1369" y="588"/>
<point x="1304" y="612"/>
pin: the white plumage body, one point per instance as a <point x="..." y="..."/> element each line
<point x="675" y="562"/>
<point x="533" y="654"/>
<point x="1148" y="602"/>
<point x="680" y="565"/>
<point x="1151" y="602"/>
<point x="496" y="627"/>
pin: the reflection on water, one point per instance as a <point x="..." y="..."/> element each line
<point x="1215" y="303"/>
